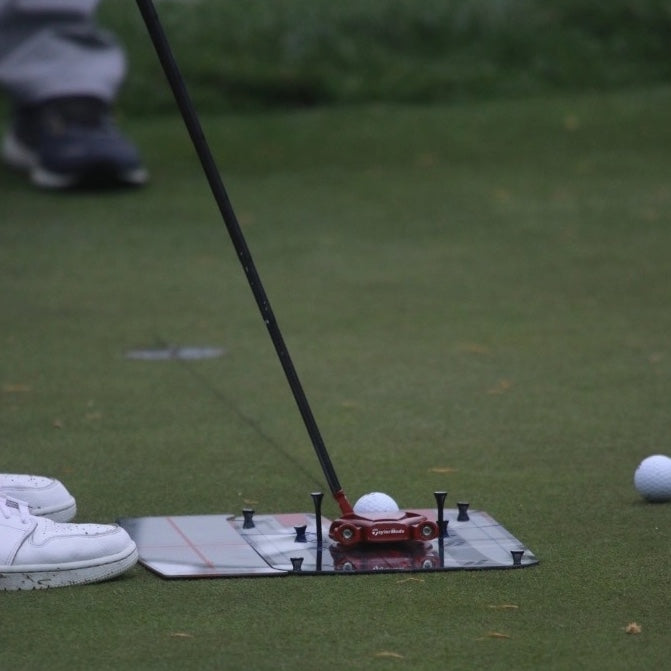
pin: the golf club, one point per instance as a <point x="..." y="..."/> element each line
<point x="192" y="123"/>
<point x="351" y="528"/>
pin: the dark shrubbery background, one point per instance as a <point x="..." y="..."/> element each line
<point x="245" y="54"/>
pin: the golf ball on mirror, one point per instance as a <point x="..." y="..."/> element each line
<point x="375" y="502"/>
<point x="652" y="478"/>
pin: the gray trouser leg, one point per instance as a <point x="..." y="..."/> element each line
<point x="53" y="48"/>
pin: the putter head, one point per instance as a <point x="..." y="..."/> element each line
<point x="394" y="527"/>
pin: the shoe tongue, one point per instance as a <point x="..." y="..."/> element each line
<point x="15" y="504"/>
<point x="14" y="507"/>
<point x="9" y="505"/>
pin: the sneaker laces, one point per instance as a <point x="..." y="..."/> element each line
<point x="56" y="116"/>
<point x="77" y="110"/>
<point x="12" y="507"/>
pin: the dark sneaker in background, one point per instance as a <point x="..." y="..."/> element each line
<point x="72" y="142"/>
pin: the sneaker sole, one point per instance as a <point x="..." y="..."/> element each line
<point x="46" y="577"/>
<point x="98" y="176"/>
<point x="19" y="157"/>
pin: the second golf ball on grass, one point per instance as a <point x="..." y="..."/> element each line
<point x="652" y="478"/>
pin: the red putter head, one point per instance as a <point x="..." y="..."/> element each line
<point x="394" y="527"/>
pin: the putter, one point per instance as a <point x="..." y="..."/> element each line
<point x="350" y="529"/>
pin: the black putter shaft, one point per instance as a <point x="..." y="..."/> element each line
<point x="190" y="117"/>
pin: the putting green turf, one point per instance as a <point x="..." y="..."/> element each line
<point x="476" y="298"/>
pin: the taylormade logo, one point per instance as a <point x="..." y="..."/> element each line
<point x="375" y="531"/>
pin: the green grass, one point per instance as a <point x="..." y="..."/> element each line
<point x="480" y="286"/>
<point x="255" y="55"/>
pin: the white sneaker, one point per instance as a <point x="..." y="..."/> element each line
<point x="45" y="497"/>
<point x="37" y="553"/>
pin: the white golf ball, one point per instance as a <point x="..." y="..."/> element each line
<point x="652" y="478"/>
<point x="375" y="502"/>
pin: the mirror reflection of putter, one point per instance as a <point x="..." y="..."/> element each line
<point x="351" y="528"/>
